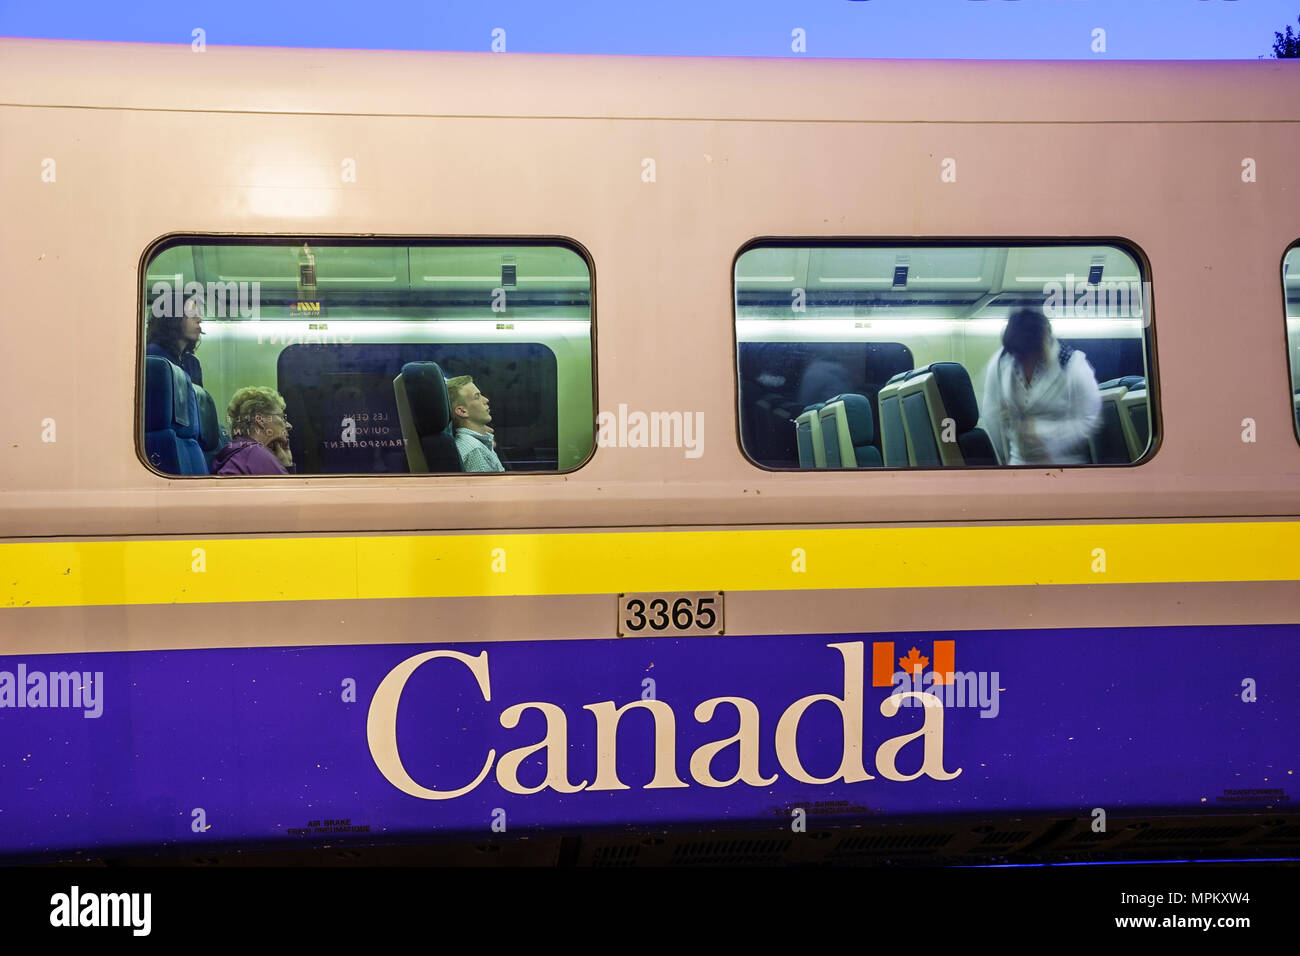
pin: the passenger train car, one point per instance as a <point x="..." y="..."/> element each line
<point x="761" y="578"/>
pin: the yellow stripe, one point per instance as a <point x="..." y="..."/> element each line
<point x="73" y="574"/>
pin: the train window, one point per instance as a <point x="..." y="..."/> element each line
<point x="325" y="356"/>
<point x="924" y="355"/>
<point x="1291" y="294"/>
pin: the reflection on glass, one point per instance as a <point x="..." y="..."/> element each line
<point x="354" y="345"/>
<point x="862" y="357"/>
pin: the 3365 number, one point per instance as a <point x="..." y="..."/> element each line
<point x="643" y="614"/>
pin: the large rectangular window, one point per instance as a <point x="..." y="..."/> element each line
<point x="921" y="355"/>
<point x="316" y="356"/>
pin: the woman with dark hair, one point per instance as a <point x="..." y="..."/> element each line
<point x="176" y="338"/>
<point x="1041" y="401"/>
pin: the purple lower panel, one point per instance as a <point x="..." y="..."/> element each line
<point x="259" y="746"/>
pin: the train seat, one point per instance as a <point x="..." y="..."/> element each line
<point x="1136" y="419"/>
<point x="211" y="435"/>
<point x="848" y="429"/>
<point x="1110" y="445"/>
<point x="808" y="437"/>
<point x="931" y="395"/>
<point x="833" y="425"/>
<point x="171" y="419"/>
<point x="893" y="434"/>
<point x="425" y="416"/>
<point x="1297" y="410"/>
<point x="958" y="396"/>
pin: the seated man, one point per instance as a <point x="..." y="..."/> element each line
<point x="260" y="442"/>
<point x="470" y="417"/>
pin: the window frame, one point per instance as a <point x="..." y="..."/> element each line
<point x="1156" y="438"/>
<point x="320" y="240"/>
<point x="1293" y="248"/>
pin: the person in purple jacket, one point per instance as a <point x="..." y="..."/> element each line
<point x="260" y="435"/>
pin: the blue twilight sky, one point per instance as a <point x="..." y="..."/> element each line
<point x="975" y="29"/>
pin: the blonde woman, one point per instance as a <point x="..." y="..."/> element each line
<point x="260" y="435"/>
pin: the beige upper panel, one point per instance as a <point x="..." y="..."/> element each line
<point x="244" y="79"/>
<point x="1028" y="166"/>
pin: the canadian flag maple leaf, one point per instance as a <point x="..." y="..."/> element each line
<point x="913" y="662"/>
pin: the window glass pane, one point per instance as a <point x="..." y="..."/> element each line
<point x="1291" y="290"/>
<point x="322" y="357"/>
<point x="928" y="356"/>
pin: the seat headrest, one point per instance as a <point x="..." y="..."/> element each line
<point x="426" y="392"/>
<point x="814" y="407"/>
<point x="957" y="394"/>
<point x="1128" y="381"/>
<point x="899" y="377"/>
<point x="862" y="422"/>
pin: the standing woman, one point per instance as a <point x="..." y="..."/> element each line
<point x="177" y="338"/>
<point x="1041" y="401"/>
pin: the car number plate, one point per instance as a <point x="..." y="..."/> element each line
<point x="675" y="614"/>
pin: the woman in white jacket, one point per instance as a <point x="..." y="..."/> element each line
<point x="1041" y="401"/>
